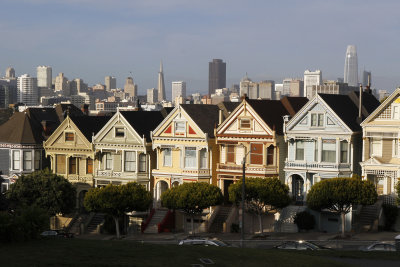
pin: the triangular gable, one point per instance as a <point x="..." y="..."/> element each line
<point x="109" y="133"/>
<point x="232" y="124"/>
<point x="167" y="128"/>
<point x="58" y="138"/>
<point x="302" y="120"/>
<point x="384" y="111"/>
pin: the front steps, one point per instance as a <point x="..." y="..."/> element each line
<point x="158" y="216"/>
<point x="285" y="223"/>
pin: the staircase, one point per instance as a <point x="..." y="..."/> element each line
<point x="74" y="226"/>
<point x="217" y="225"/>
<point x="369" y="216"/>
<point x="152" y="227"/>
<point x="285" y="223"/>
<point x="97" y="219"/>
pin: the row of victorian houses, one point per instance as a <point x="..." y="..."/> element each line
<point x="300" y="141"/>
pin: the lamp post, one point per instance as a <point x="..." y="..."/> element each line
<point x="243" y="196"/>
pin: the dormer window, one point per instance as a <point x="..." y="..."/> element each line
<point x="317" y="120"/>
<point x="180" y="127"/>
<point x="396" y="112"/>
<point x="119" y="132"/>
<point x="69" y="136"/>
<point x="245" y="123"/>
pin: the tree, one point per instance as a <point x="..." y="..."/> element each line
<point x="398" y="191"/>
<point x="262" y="195"/>
<point x="48" y="191"/>
<point x="340" y="194"/>
<point x="116" y="200"/>
<point x="192" y="198"/>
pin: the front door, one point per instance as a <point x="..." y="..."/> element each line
<point x="298" y="188"/>
<point x="227" y="183"/>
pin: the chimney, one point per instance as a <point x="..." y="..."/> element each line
<point x="243" y="97"/>
<point x="219" y="117"/>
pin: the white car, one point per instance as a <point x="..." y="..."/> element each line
<point x="380" y="246"/>
<point x="203" y="242"/>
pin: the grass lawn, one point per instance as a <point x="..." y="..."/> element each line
<point x="78" y="252"/>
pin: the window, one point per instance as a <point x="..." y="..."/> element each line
<point x="72" y="165"/>
<point x="203" y="158"/>
<point x="27" y="160"/>
<point x="69" y="136"/>
<point x="119" y="132"/>
<point x="180" y="126"/>
<point x="16" y="160"/>
<point x="396" y="109"/>
<point x="230" y="153"/>
<point x="270" y="155"/>
<point x="256" y="154"/>
<point x="315" y="150"/>
<point x="37" y="159"/>
<point x="245" y="123"/>
<point x="130" y="161"/>
<point x="344" y="152"/>
<point x="190" y="157"/>
<point x="89" y="166"/>
<point x="376" y="147"/>
<point x="167" y="157"/>
<point x="395" y="147"/>
<point x="108" y="161"/>
<point x="299" y="150"/>
<point x="142" y="162"/>
<point x="317" y="120"/>
<point x="329" y="150"/>
<point x="60" y="164"/>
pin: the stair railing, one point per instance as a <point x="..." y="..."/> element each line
<point x="232" y="217"/>
<point x="167" y="223"/>
<point x="146" y="223"/>
<point x="212" y="217"/>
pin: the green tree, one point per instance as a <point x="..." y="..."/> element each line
<point x="116" y="200"/>
<point x="192" y="198"/>
<point x="398" y="191"/>
<point x="340" y="194"/>
<point x="48" y="191"/>
<point x="262" y="195"/>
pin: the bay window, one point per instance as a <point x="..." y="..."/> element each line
<point x="142" y="162"/>
<point x="190" y="157"/>
<point x="130" y="161"/>
<point x="27" y="164"/>
<point x="329" y="150"/>
<point x="344" y="151"/>
<point x="16" y="157"/>
<point x="203" y="158"/>
<point x="299" y="150"/>
<point x="167" y="157"/>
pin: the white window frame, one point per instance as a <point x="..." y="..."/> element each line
<point x="37" y="159"/>
<point x="395" y="148"/>
<point x="180" y="127"/>
<point x="25" y="162"/>
<point x="130" y="166"/>
<point x="395" y="111"/>
<point x="142" y="160"/>
<point x="190" y="162"/>
<point x="376" y="147"/>
<point x="203" y="155"/>
<point x="323" y="159"/>
<point x="118" y="129"/>
<point x="318" y="115"/>
<point x="108" y="159"/>
<point x="341" y="151"/>
<point x="241" y="120"/>
<point x="167" y="158"/>
<point x="296" y="148"/>
<point x="16" y="159"/>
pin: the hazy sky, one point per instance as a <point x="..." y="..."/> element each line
<point x="90" y="39"/>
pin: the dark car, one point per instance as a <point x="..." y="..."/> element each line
<point x="299" y="245"/>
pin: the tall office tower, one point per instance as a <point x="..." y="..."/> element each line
<point x="130" y="87"/>
<point x="265" y="89"/>
<point x="366" y="78"/>
<point x="311" y="78"/>
<point x="110" y="82"/>
<point x="10" y="72"/>
<point x="178" y="89"/>
<point x="62" y="85"/>
<point x="27" y="90"/>
<point x="152" y="96"/>
<point x="161" y="85"/>
<point x="248" y="88"/>
<point x="296" y="87"/>
<point x="44" y="76"/>
<point x="77" y="86"/>
<point x="216" y="75"/>
<point x="351" y="66"/>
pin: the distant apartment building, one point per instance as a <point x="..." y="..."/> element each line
<point x="130" y="87"/>
<point x="216" y="75"/>
<point x="311" y="78"/>
<point x="62" y="85"/>
<point x="110" y="82"/>
<point x="333" y="88"/>
<point x="296" y="88"/>
<point x="8" y="92"/>
<point x="152" y="95"/>
<point x="80" y="99"/>
<point x="178" y="89"/>
<point x="44" y="76"/>
<point x="266" y="89"/>
<point x="257" y="90"/>
<point x="78" y="86"/>
<point x="10" y="72"/>
<point x="27" y="90"/>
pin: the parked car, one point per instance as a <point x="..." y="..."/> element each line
<point x="49" y="233"/>
<point x="56" y="233"/>
<point x="202" y="242"/>
<point x="379" y="246"/>
<point x="64" y="234"/>
<point x="299" y="245"/>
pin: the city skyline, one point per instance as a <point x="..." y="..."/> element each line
<point x="134" y="37"/>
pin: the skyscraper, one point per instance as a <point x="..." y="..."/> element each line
<point x="44" y="76"/>
<point x="161" y="85"/>
<point x="351" y="66"/>
<point x="130" y="87"/>
<point x="216" y="75"/>
<point x="10" y="72"/>
<point x="27" y="90"/>
<point x="178" y="89"/>
<point x="110" y="82"/>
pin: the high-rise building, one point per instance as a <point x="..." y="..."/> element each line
<point x="78" y="86"/>
<point x="351" y="66"/>
<point x="366" y="78"/>
<point x="248" y="88"/>
<point x="8" y="92"/>
<point x="266" y="89"/>
<point x="178" y="89"/>
<point x="161" y="85"/>
<point x="62" y="85"/>
<point x="152" y="96"/>
<point x="44" y="76"/>
<point x="110" y="82"/>
<point x="296" y="87"/>
<point x="216" y="75"/>
<point x="10" y="72"/>
<point x="311" y="78"/>
<point x="130" y="87"/>
<point x="27" y="90"/>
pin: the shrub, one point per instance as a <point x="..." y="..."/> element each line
<point x="235" y="228"/>
<point x="304" y="220"/>
<point x="390" y="212"/>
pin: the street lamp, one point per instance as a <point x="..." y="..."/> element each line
<point x="243" y="197"/>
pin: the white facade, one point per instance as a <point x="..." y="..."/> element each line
<point x="178" y="89"/>
<point x="152" y="96"/>
<point x="44" y="76"/>
<point x="311" y="78"/>
<point x="27" y="90"/>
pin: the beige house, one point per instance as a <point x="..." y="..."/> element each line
<point x="381" y="160"/>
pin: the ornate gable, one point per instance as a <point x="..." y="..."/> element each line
<point x="388" y="110"/>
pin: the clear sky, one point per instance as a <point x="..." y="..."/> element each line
<point x="267" y="39"/>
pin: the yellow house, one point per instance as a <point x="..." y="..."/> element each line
<point x="185" y="146"/>
<point x="71" y="150"/>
